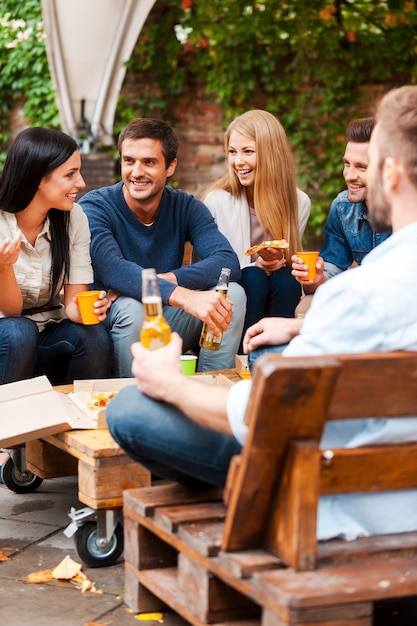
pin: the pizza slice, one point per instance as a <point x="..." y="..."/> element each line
<point x="274" y="243"/>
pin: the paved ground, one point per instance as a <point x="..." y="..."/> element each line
<point x="31" y="535"/>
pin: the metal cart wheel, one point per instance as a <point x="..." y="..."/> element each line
<point x="95" y="552"/>
<point x="19" y="481"/>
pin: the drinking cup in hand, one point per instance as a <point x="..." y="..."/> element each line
<point x="310" y="259"/>
<point x="86" y="300"/>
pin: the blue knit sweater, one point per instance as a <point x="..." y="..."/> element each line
<point x="121" y="246"/>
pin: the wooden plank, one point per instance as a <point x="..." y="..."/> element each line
<point x="101" y="484"/>
<point x="361" y="469"/>
<point x="164" y="584"/>
<point x="136" y="596"/>
<point x="362" y="580"/>
<point x="292" y="531"/>
<point x="339" y="550"/>
<point x="275" y="418"/>
<point x="171" y="517"/>
<point x="347" y="615"/>
<point x="208" y="597"/>
<point x="390" y="379"/>
<point x="87" y="443"/>
<point x="144" y="502"/>
<point x="204" y="537"/>
<point x="47" y="461"/>
<point x="245" y="564"/>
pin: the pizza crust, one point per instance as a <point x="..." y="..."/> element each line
<point x="275" y="243"/>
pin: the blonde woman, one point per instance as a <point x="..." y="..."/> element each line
<point x="258" y="200"/>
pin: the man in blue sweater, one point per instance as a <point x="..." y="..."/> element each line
<point x="141" y="222"/>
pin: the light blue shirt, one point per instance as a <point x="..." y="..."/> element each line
<point x="370" y="308"/>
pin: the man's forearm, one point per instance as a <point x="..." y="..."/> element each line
<point x="204" y="403"/>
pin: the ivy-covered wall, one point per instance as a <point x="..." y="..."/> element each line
<point x="315" y="64"/>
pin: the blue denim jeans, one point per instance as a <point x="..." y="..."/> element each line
<point x="63" y="351"/>
<point x="167" y="442"/>
<point x="275" y="295"/>
<point x="255" y="354"/>
<point x="125" y="319"/>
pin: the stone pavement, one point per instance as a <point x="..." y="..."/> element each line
<point x="31" y="535"/>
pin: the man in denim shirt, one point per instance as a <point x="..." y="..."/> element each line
<point x="348" y="234"/>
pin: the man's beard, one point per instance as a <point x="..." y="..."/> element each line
<point x="379" y="210"/>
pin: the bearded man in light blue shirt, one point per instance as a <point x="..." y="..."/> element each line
<point x="185" y="430"/>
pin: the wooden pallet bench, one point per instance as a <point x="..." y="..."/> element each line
<point x="249" y="554"/>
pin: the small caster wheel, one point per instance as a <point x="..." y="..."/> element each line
<point x="17" y="481"/>
<point x="90" y="551"/>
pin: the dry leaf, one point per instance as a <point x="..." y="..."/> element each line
<point x="96" y="624"/>
<point x="42" y="576"/>
<point x="67" y="569"/>
<point x="151" y="617"/>
<point x="3" y="557"/>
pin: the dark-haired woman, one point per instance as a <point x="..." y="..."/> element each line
<point x="44" y="262"/>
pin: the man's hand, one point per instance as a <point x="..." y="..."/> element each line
<point x="169" y="276"/>
<point x="300" y="271"/>
<point x="156" y="371"/>
<point x="271" y="331"/>
<point x="112" y="297"/>
<point x="209" y="306"/>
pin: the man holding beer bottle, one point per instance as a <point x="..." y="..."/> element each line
<point x="184" y="430"/>
<point x="141" y="223"/>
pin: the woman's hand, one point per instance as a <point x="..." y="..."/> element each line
<point x="9" y="250"/>
<point x="102" y="305"/>
<point x="72" y="308"/>
<point x="270" y="260"/>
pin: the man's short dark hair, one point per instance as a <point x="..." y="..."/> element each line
<point x="360" y="130"/>
<point x="149" y="128"/>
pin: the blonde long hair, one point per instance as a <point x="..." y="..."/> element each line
<point x="275" y="190"/>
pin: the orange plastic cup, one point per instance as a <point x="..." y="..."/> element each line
<point x="86" y="301"/>
<point x="310" y="259"/>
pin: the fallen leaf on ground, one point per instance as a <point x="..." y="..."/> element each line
<point x="3" y="557"/>
<point x="42" y="576"/>
<point x="150" y="617"/>
<point x="66" y="570"/>
<point x="97" y="624"/>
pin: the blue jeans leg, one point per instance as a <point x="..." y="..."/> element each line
<point x="125" y="319"/>
<point x="275" y="295"/>
<point x="255" y="354"/>
<point x="167" y="442"/>
<point x="224" y="358"/>
<point x="86" y="351"/>
<point x="255" y="282"/>
<point x="285" y="293"/>
<point x="18" y="348"/>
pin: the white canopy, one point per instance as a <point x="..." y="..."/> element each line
<point x="88" y="43"/>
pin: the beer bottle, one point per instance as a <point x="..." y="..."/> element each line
<point x="155" y="331"/>
<point x="208" y="339"/>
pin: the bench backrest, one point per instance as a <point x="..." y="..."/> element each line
<point x="275" y="484"/>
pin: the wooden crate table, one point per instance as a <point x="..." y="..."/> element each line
<point x="103" y="469"/>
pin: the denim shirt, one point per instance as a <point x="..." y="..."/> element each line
<point x="348" y="235"/>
